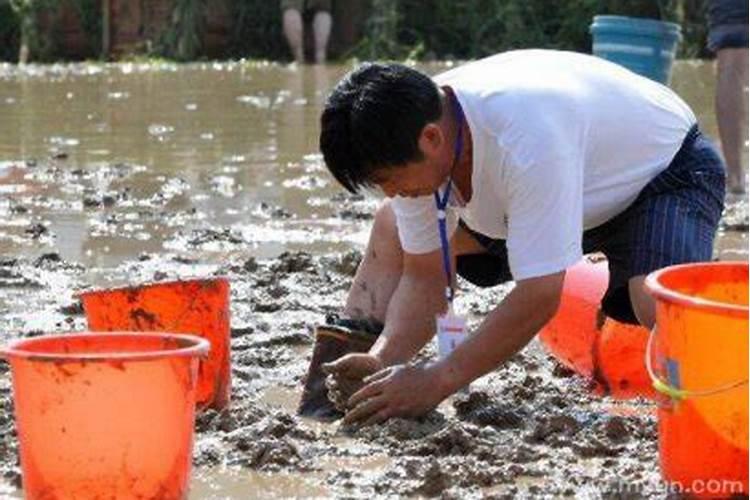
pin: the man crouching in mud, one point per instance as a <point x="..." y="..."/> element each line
<point x="530" y="159"/>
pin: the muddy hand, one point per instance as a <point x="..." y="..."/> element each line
<point x="340" y="389"/>
<point x="345" y="376"/>
<point x="396" y="391"/>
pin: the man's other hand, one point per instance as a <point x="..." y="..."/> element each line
<point x="346" y="374"/>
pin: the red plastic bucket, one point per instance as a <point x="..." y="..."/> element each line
<point x="698" y="358"/>
<point x="198" y="307"/>
<point x="602" y="349"/>
<point x="105" y="415"/>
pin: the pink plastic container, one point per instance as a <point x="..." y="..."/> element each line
<point x="105" y="415"/>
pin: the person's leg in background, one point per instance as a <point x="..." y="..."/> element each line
<point x="728" y="38"/>
<point x="731" y="112"/>
<point x="294" y="27"/>
<point x="322" y="23"/>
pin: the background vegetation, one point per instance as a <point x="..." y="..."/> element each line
<point x="467" y="29"/>
<point x="400" y="29"/>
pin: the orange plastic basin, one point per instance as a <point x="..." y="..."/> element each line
<point x="105" y="415"/>
<point x="198" y="307"/>
<point x="700" y="363"/>
<point x="602" y="349"/>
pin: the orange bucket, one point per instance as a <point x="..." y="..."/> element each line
<point x="198" y="307"/>
<point x="581" y="338"/>
<point x="105" y="415"/>
<point x="698" y="358"/>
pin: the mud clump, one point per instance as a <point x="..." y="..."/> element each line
<point x="37" y="230"/>
<point x="250" y="435"/>
<point x="398" y="432"/>
<point x="548" y="429"/>
<point x="616" y="429"/>
<point x="452" y="440"/>
<point x="10" y="278"/>
<point x="48" y="259"/>
<point x="269" y="211"/>
<point x="293" y="262"/>
<point x="595" y="448"/>
<point x="202" y="237"/>
<point x="481" y="409"/>
<point x="267" y="304"/>
<point x="250" y="265"/>
<point x="107" y="200"/>
<point x="268" y="454"/>
<point x="434" y="482"/>
<point x="264" y="357"/>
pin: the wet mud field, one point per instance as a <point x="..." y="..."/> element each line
<point x="181" y="196"/>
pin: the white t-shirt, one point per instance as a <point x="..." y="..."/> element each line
<point x="562" y="142"/>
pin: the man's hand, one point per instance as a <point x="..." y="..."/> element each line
<point x="346" y="374"/>
<point x="396" y="391"/>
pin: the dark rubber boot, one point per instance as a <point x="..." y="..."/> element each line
<point x="331" y="342"/>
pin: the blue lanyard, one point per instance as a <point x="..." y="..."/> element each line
<point x="441" y="202"/>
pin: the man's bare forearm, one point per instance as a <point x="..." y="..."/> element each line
<point x="410" y="320"/>
<point x="504" y="332"/>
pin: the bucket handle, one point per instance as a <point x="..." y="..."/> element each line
<point x="673" y="392"/>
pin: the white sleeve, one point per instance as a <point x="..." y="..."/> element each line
<point x="545" y="206"/>
<point x="416" y="219"/>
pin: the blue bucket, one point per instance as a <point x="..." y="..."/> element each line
<point x="645" y="46"/>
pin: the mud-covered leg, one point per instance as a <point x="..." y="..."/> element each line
<point x="360" y="321"/>
<point x="380" y="270"/>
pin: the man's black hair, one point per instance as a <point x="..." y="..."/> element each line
<point x="373" y="119"/>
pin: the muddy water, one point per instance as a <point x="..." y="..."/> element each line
<point x="148" y="157"/>
<point x="126" y="173"/>
<point x="225" y="145"/>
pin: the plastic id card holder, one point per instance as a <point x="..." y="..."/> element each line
<point x="451" y="331"/>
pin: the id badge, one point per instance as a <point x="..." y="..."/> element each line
<point x="451" y="331"/>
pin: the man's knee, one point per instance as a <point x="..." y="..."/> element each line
<point x="643" y="304"/>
